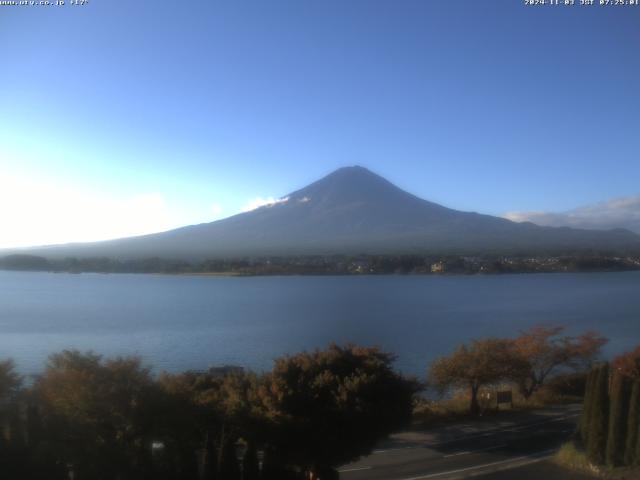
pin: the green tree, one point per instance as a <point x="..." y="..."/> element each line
<point x="628" y="365"/>
<point x="328" y="407"/>
<point x="483" y="362"/>
<point x="633" y="425"/>
<point x="636" y="457"/>
<point x="585" y="418"/>
<point x="618" y="411"/>
<point x="599" y="416"/>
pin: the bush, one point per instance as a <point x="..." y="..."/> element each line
<point x="570" y="385"/>
<point x="572" y="457"/>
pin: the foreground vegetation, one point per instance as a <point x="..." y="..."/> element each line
<point x="607" y="443"/>
<point x="527" y="362"/>
<point x="574" y="458"/>
<point x="610" y="425"/>
<point x="110" y="418"/>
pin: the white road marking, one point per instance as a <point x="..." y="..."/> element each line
<point x="376" y="452"/>
<point x="479" y="434"/>
<point x="514" y="428"/>
<point x="355" y="469"/>
<point x="533" y="458"/>
<point x="495" y="447"/>
<point x="456" y="454"/>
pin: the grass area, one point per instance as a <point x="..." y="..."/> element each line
<point x="430" y="412"/>
<point x="574" y="458"/>
<point x="571" y="457"/>
<point x="544" y="398"/>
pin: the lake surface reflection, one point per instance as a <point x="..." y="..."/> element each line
<point x="190" y="322"/>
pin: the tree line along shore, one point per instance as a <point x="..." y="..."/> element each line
<point x="333" y="264"/>
<point x="87" y="417"/>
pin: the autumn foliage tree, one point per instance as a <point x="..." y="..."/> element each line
<point x="329" y="407"/>
<point x="628" y="364"/>
<point x="313" y="411"/>
<point x="212" y="410"/>
<point x="546" y="351"/>
<point x="10" y="381"/>
<point x="97" y="414"/>
<point x="10" y="439"/>
<point x="482" y="362"/>
<point x="185" y="425"/>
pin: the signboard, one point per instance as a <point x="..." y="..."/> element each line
<point x="505" y="397"/>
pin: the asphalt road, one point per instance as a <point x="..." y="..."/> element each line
<point x="493" y="450"/>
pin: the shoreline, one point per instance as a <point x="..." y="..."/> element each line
<point x="228" y="274"/>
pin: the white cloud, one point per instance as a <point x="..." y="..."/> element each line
<point x="259" y="202"/>
<point x="616" y="213"/>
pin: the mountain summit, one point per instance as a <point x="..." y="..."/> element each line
<point x="353" y="210"/>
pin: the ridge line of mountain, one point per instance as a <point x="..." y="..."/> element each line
<point x="352" y="211"/>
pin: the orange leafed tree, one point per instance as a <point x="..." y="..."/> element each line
<point x="481" y="363"/>
<point x="546" y="351"/>
<point x="628" y="363"/>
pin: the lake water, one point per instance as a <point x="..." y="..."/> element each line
<point x="189" y="322"/>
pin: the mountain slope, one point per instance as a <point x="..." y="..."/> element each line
<point x="353" y="210"/>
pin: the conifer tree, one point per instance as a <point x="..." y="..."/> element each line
<point x="599" y="417"/>
<point x="618" y="410"/>
<point x="633" y="425"/>
<point x="636" y="457"/>
<point x="583" y="428"/>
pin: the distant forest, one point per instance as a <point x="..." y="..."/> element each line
<point x="328" y="265"/>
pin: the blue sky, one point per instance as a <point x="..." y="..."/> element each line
<point x="122" y="117"/>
